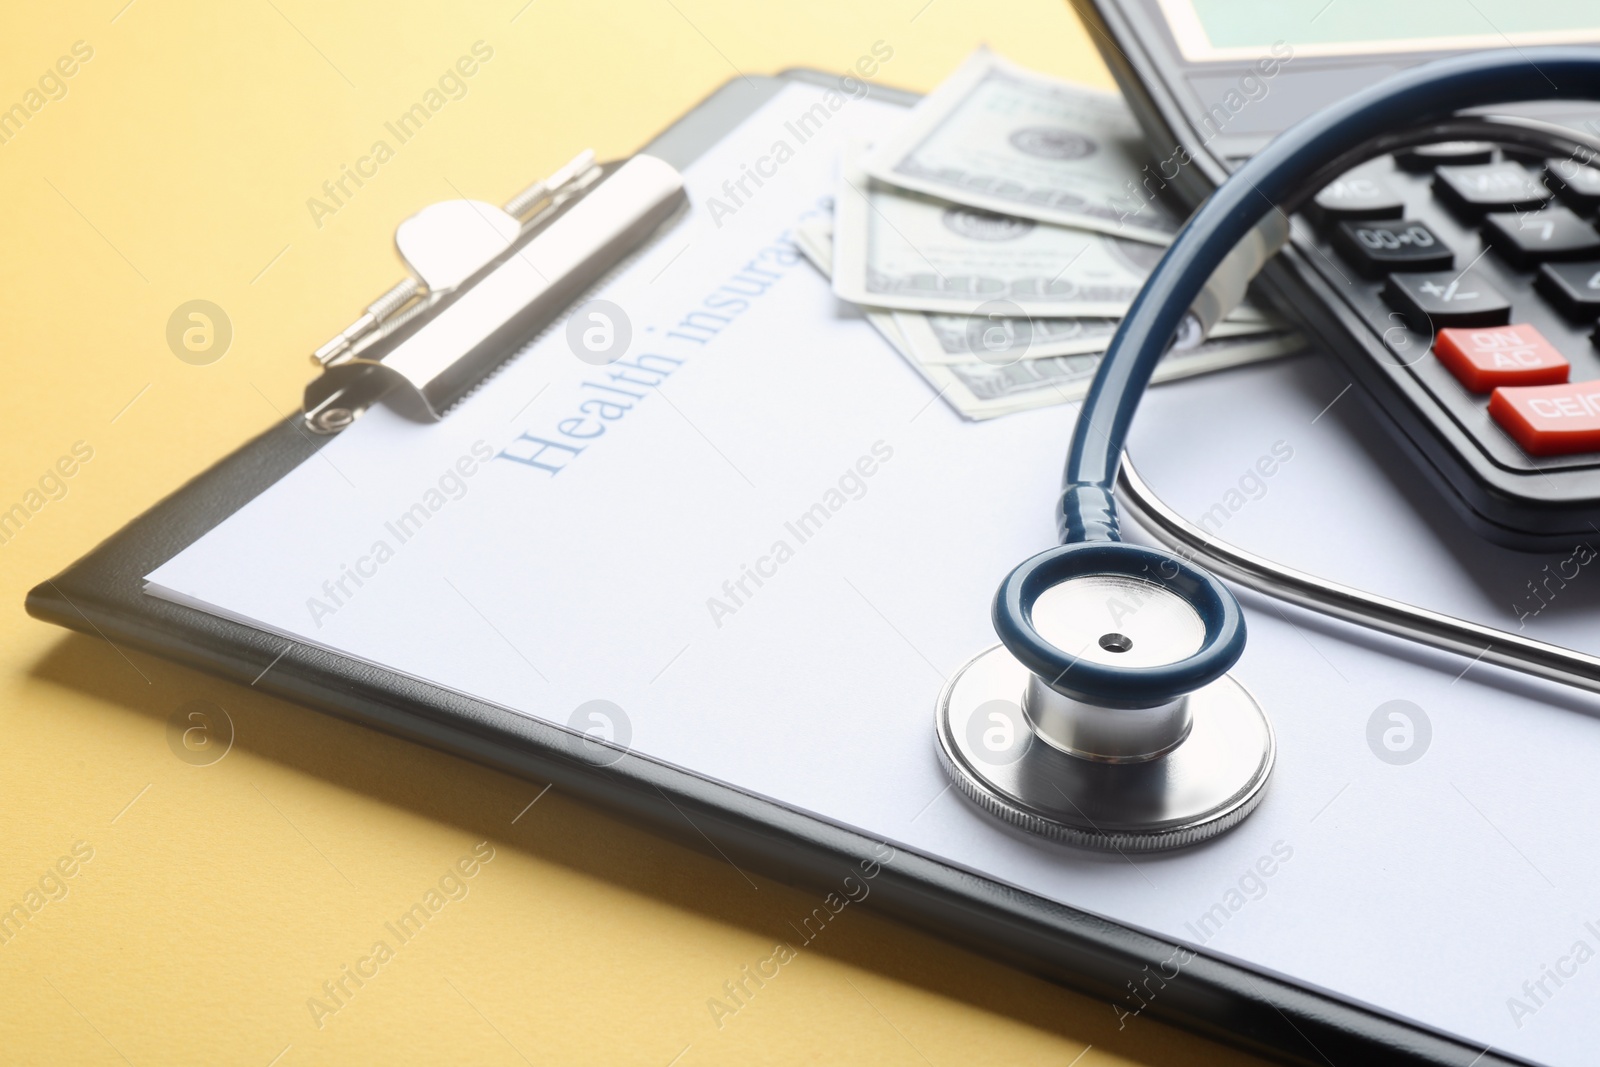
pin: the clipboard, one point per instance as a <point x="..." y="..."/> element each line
<point x="102" y="595"/>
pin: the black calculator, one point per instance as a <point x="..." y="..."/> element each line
<point x="1459" y="283"/>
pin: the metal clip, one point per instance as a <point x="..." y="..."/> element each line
<point x="431" y="332"/>
<point x="440" y="239"/>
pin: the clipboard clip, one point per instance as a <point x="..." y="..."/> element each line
<point x="483" y="281"/>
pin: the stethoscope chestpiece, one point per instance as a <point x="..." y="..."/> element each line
<point x="1106" y="717"/>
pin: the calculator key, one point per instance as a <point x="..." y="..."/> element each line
<point x="1455" y="153"/>
<point x="1550" y="420"/>
<point x="1572" y="287"/>
<point x="1476" y="191"/>
<point x="1484" y="360"/>
<point x="1436" y="300"/>
<point x="1376" y="248"/>
<point x="1357" y="196"/>
<point x="1528" y="238"/>
<point x="1578" y="186"/>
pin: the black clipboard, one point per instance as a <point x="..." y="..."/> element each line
<point x="102" y="595"/>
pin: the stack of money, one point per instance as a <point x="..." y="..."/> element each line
<point x="999" y="235"/>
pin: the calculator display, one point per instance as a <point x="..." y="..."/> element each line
<point x="1210" y="30"/>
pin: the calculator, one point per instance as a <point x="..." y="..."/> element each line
<point x="1458" y="283"/>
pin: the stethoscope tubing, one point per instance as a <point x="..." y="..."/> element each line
<point x="1448" y="633"/>
<point x="1278" y="174"/>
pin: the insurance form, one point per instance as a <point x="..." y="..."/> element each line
<point x="763" y="540"/>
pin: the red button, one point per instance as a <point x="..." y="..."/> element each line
<point x="1550" y="420"/>
<point x="1485" y="359"/>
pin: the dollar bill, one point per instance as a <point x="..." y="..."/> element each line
<point x="814" y="238"/>
<point x="994" y="135"/>
<point x="937" y="337"/>
<point x="900" y="249"/>
<point x="986" y="391"/>
<point x="988" y="388"/>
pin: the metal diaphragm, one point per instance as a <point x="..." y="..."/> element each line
<point x="1203" y="785"/>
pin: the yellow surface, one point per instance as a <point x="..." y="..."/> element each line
<point x="219" y="899"/>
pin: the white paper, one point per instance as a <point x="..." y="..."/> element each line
<point x="1433" y="890"/>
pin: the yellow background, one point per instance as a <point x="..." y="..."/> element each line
<point x="220" y="898"/>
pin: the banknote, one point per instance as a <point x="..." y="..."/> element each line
<point x="900" y="249"/>
<point x="937" y="337"/>
<point x="994" y="135"/>
<point x="814" y="238"/>
<point x="985" y="391"/>
<point x="987" y="388"/>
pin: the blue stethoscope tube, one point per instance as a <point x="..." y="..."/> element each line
<point x="1086" y="512"/>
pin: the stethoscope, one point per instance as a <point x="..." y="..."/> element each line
<point x="1106" y="716"/>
